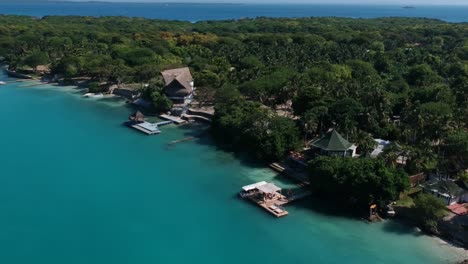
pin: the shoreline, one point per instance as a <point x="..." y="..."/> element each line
<point x="423" y="11"/>
<point x="460" y="251"/>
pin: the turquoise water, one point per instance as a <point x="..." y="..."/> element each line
<point x="78" y="187"/>
<point x="196" y="12"/>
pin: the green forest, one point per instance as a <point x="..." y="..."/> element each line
<point x="277" y="83"/>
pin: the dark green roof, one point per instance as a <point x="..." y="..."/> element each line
<point x="332" y="141"/>
<point x="446" y="186"/>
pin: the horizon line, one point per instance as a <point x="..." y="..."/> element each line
<point x="246" y="2"/>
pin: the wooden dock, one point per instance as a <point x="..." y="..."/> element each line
<point x="273" y="206"/>
<point x="147" y="127"/>
<point x="269" y="197"/>
<point x="153" y="130"/>
<point x="174" y="119"/>
<point x="163" y="123"/>
<point x="300" y="177"/>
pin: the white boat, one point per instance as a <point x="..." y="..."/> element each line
<point x="390" y="211"/>
<point x="2" y="83"/>
<point x="93" y="95"/>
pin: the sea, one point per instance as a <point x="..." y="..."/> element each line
<point x="77" y="186"/>
<point x="196" y="12"/>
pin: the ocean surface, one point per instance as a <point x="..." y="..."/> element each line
<point x="76" y="186"/>
<point x="197" y="12"/>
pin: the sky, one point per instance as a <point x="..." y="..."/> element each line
<point x="395" y="2"/>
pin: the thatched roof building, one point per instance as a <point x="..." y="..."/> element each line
<point x="178" y="83"/>
<point x="137" y="116"/>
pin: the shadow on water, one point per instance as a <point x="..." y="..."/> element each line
<point x="400" y="228"/>
<point x="202" y="134"/>
<point x="331" y="209"/>
<point x="323" y="207"/>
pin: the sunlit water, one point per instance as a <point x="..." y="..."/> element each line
<point x="78" y="187"/>
<point x="196" y="12"/>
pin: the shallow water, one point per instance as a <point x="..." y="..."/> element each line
<point x="78" y="187"/>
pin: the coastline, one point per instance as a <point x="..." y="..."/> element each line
<point x="222" y="11"/>
<point x="463" y="253"/>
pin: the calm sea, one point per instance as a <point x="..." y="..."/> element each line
<point x="197" y="12"/>
<point x="78" y="187"/>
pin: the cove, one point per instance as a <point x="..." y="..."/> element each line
<point x="78" y="187"/>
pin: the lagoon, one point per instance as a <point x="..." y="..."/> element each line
<point x="78" y="187"/>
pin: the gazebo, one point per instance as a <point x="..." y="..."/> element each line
<point x="333" y="144"/>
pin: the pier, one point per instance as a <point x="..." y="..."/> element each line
<point x="147" y="127"/>
<point x="137" y="121"/>
<point x="269" y="197"/>
<point x="174" y="119"/>
<point x="298" y="175"/>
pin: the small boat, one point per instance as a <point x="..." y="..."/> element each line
<point x="390" y="211"/>
<point x="2" y="83"/>
<point x="93" y="95"/>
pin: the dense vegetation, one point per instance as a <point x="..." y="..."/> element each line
<point x="248" y="126"/>
<point x="401" y="79"/>
<point x="429" y="210"/>
<point x="357" y="182"/>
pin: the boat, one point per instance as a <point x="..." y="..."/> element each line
<point x="93" y="95"/>
<point x="390" y="211"/>
<point x="2" y="83"/>
<point x="15" y="74"/>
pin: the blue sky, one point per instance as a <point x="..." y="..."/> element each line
<point x="396" y="2"/>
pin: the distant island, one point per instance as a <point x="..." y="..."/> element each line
<point x="409" y="7"/>
<point x="367" y="108"/>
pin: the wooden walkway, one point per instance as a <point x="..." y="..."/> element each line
<point x="145" y="130"/>
<point x="163" y="123"/>
<point x="275" y="205"/>
<point x="175" y="119"/>
<point x="300" y="177"/>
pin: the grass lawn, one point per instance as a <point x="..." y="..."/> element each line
<point x="405" y="201"/>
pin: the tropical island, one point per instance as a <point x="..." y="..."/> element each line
<point x="371" y="108"/>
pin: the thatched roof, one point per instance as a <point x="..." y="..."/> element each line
<point x="42" y="68"/>
<point x="178" y="82"/>
<point x="137" y="116"/>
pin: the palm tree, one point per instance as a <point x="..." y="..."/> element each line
<point x="365" y="142"/>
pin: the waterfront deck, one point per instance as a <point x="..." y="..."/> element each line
<point x="273" y="206"/>
<point x="269" y="197"/>
<point x="175" y="119"/>
<point x="146" y="127"/>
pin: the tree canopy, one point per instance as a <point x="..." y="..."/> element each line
<point x="360" y="182"/>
